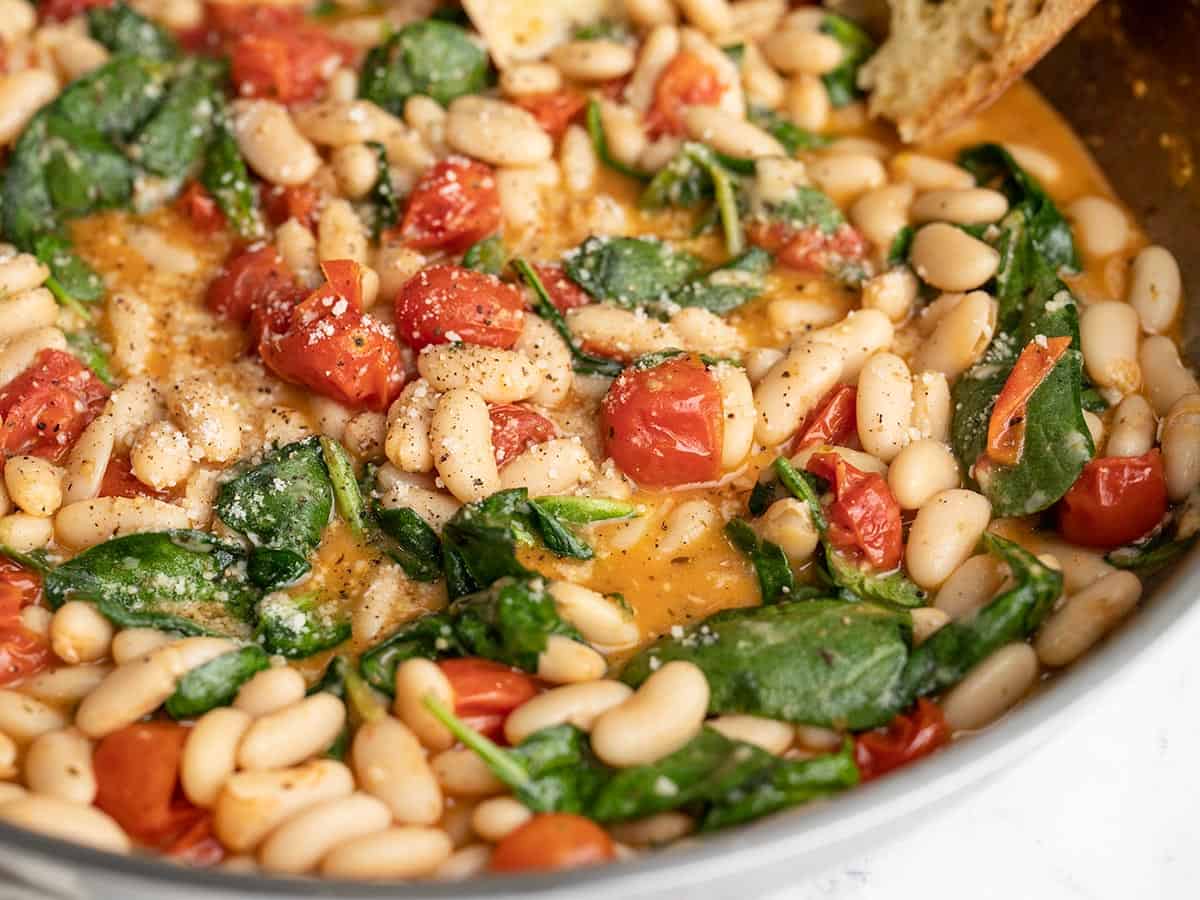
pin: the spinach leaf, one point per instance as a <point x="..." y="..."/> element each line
<point x="123" y="30"/>
<point x="382" y="198"/>
<point x="72" y="281"/>
<point x="84" y="170"/>
<point x="510" y="622"/>
<point x="775" y="579"/>
<point x="282" y="504"/>
<point x="174" y="139"/>
<point x="215" y="683"/>
<point x="806" y="208"/>
<point x="842" y="83"/>
<point x="116" y="98"/>
<point x="901" y="247"/>
<point x="36" y="561"/>
<point x="581" y="362"/>
<point x="695" y="175"/>
<point x="603" y="30"/>
<point x="431" y="57"/>
<point x="558" y="538"/>
<point x="682" y="183"/>
<point x="629" y="271"/>
<point x="585" y="510"/>
<point x="184" y="581"/>
<point x="488" y="255"/>
<point x="944" y="658"/>
<point x="299" y="627"/>
<point x="87" y="347"/>
<point x="226" y="178"/>
<point x="595" y="127"/>
<point x="552" y="770"/>
<point x="410" y="542"/>
<point x="819" y="662"/>
<point x="346" y="494"/>
<point x="1173" y="537"/>
<point x="725" y="288"/>
<point x="792" y="136"/>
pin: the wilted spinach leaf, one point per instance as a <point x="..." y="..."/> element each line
<point x="299" y="627"/>
<point x="216" y="682"/>
<point x="842" y="82"/>
<point x="409" y="540"/>
<point x="792" y="136"/>
<point x="775" y="578"/>
<point x="431" y="57"/>
<point x="121" y="29"/>
<point x="488" y="255"/>
<point x="226" y="177"/>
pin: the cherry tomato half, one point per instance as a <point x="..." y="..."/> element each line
<point x="1115" y="500"/>
<point x="552" y="841"/>
<point x="485" y="692"/>
<point x="809" y="249"/>
<point x="295" y="201"/>
<point x="200" y="208"/>
<point x="1006" y="427"/>
<point x="564" y="293"/>
<point x="663" y="425"/>
<point x="515" y="428"/>
<point x="288" y="63"/>
<point x="834" y="421"/>
<point x="906" y="738"/>
<point x="455" y="204"/>
<point x="119" y="481"/>
<point x="329" y="345"/>
<point x="22" y="652"/>
<point x="864" y="516"/>
<point x="249" y="282"/>
<point x="555" y="110"/>
<point x="446" y="303"/>
<point x="686" y="81"/>
<point x="46" y="407"/>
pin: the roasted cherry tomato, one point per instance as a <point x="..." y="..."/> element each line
<point x="1116" y="500"/>
<point x="515" y="428"/>
<point x="288" y="63"/>
<point x="296" y="201"/>
<point x="552" y="841"/>
<point x="834" y="421"/>
<point x="906" y="738"/>
<point x="119" y="481"/>
<point x="485" y="692"/>
<point x="1006" y="427"/>
<point x="46" y="407"/>
<point x="199" y="206"/>
<point x="329" y="345"/>
<point x="554" y="111"/>
<point x="249" y="282"/>
<point x="663" y="425"/>
<point x="137" y="782"/>
<point x="233" y="19"/>
<point x="686" y="81"/>
<point x="61" y="10"/>
<point x="455" y="204"/>
<point x="809" y="249"/>
<point x="22" y="653"/>
<point x="196" y="845"/>
<point x="443" y="304"/>
<point x="864" y="516"/>
<point x="564" y="293"/>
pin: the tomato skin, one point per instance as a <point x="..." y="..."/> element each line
<point x="905" y="739"/>
<point x="248" y="282"/>
<point x="1115" y="500"/>
<point x="137" y="781"/>
<point x="119" y="481"/>
<point x="196" y="845"/>
<point x="46" y="407"/>
<point x="515" y="428"/>
<point x="551" y="841"/>
<point x="864" y="516"/>
<point x="555" y="110"/>
<point x="485" y="692"/>
<point x="834" y="421"/>
<point x="287" y="63"/>
<point x="564" y="293"/>
<point x="295" y="201"/>
<point x="232" y="19"/>
<point x="455" y="204"/>
<point x="1006" y="426"/>
<point x="686" y="81"/>
<point x="809" y="249"/>
<point x="22" y="652"/>
<point x="446" y="303"/>
<point x="329" y="345"/>
<point x="663" y="426"/>
<point x="200" y="208"/>
<point x="61" y="10"/>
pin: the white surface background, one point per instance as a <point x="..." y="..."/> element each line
<point x="1107" y="809"/>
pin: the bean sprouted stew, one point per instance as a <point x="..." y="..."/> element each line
<point x="438" y="442"/>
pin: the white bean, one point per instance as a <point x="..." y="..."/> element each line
<point x="921" y="470"/>
<point x="69" y="821"/>
<point x="1155" y="289"/>
<point x="662" y="715"/>
<point x="858" y="336"/>
<point x="971" y="206"/>
<point x="498" y="376"/>
<point x="960" y="337"/>
<point x="593" y="60"/>
<point x="574" y="704"/>
<point x="24" y="718"/>
<point x="34" y="484"/>
<point x="601" y="621"/>
<point x="952" y="260"/>
<point x="203" y="412"/>
<point x="19" y="274"/>
<point x="881" y="213"/>
<point x="460" y="435"/>
<point x="578" y="161"/>
<point x="793" y="387"/>
<point x="392" y="854"/>
<point x="461" y="773"/>
<point x="944" y="534"/>
<point x="390" y="764"/>
<point x="856" y="458"/>
<point x="530" y="78"/>
<point x="566" y="661"/>
<point x="884" y="405"/>
<point x="417" y="679"/>
<point x="1180" y="439"/>
<point x="161" y="456"/>
<point x="1100" y="225"/>
<point x="79" y="633"/>
<point x="931" y="406"/>
<point x="90" y="522"/>
<point x="271" y="143"/>
<point x="18" y="352"/>
<point x="807" y="101"/>
<point x="788" y="523"/>
<point x="970" y="586"/>
<point x="653" y="831"/>
<point x="67" y="685"/>
<point x="22" y="94"/>
<point x="730" y="135"/>
<point x="557" y="466"/>
<point x="846" y="175"/>
<point x="210" y="753"/>
<point x="704" y="332"/>
<point x="341" y="234"/>
<point x="251" y="804"/>
<point x="464" y="863"/>
<point x="740" y="415"/>
<point x="59" y="764"/>
<point x="496" y="132"/>
<point x="299" y="844"/>
<point x="24" y="532"/>
<point x="496" y="817"/>
<point x="1085" y="618"/>
<point x="649" y="13"/>
<point x="800" y="50"/>
<point x="32" y="308"/>
<point x="1165" y="377"/>
<point x="927" y="173"/>
<point x="619" y="331"/>
<point x="542" y="346"/>
<point x="292" y="734"/>
<point x="1133" y="428"/>
<point x="991" y="688"/>
<point x="1108" y="335"/>
<point x="926" y="622"/>
<point x="768" y="734"/>
<point x="407" y="445"/>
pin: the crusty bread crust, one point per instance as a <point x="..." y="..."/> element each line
<point x="978" y="82"/>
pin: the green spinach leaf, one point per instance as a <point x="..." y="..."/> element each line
<point x="595" y="127"/>
<point x="173" y="141"/>
<point x="792" y="136"/>
<point x="87" y="347"/>
<point x="123" y="30"/>
<point x="431" y="57"/>
<point x="382" y="198"/>
<point x="725" y="288"/>
<point x="346" y="494"/>
<point x="225" y="177"/>
<point x="488" y="255"/>
<point x="410" y="541"/>
<point x="299" y="627"/>
<point x="215" y="683"/>
<point x="72" y="281"/>
<point x="842" y="82"/>
<point x="775" y="578"/>
<point x="629" y="271"/>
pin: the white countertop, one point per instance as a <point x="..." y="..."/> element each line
<point x="1107" y="809"/>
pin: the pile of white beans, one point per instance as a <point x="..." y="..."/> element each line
<point x="407" y="801"/>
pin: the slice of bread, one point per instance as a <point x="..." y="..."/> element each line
<point x="945" y="60"/>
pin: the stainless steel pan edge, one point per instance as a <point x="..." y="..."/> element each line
<point x="1127" y="80"/>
